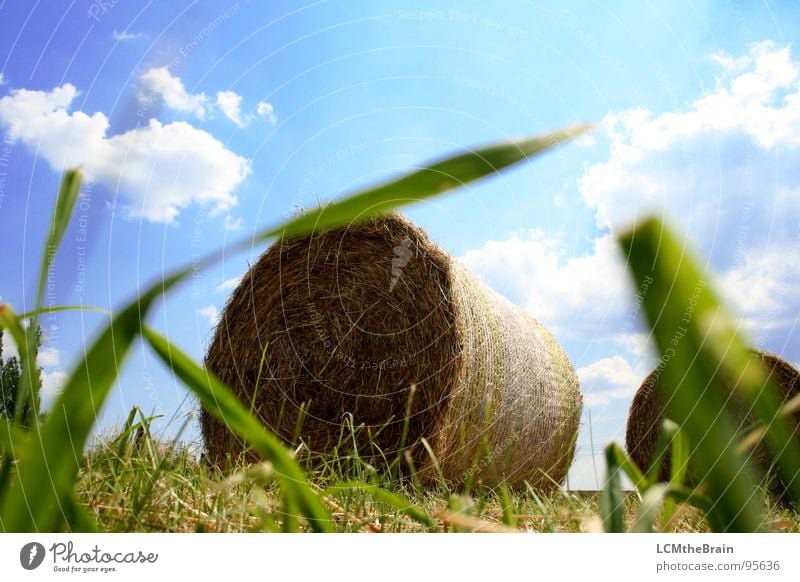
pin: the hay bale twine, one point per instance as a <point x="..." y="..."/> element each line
<point x="348" y="321"/>
<point x="648" y="411"/>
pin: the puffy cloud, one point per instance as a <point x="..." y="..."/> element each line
<point x="228" y="285"/>
<point x="211" y="313"/>
<point x="158" y="169"/>
<point x="702" y="163"/>
<point x="48" y="357"/>
<point x="765" y="288"/>
<point x="717" y="170"/>
<point x="576" y="297"/>
<point x="608" y="379"/>
<point x="9" y="346"/>
<point x="52" y="380"/>
<point x="230" y="103"/>
<point x="169" y="88"/>
<point x="52" y="384"/>
<point x="126" y="36"/>
<point x="232" y="223"/>
<point x="266" y="110"/>
<point x="2" y="79"/>
<point x="159" y="83"/>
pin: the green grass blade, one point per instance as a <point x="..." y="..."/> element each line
<point x="401" y="504"/>
<point x="26" y="340"/>
<point x="47" y="467"/>
<point x="11" y="436"/>
<point x="509" y="518"/>
<point x="218" y="399"/>
<point x="59" y="308"/>
<point x="681" y="309"/>
<point x="123" y="438"/>
<point x="681" y="494"/>
<point x="762" y="397"/>
<point x="65" y="204"/>
<point x="652" y="501"/>
<point x="612" y="497"/>
<point x="77" y="517"/>
<point x="671" y="435"/>
<point x="440" y="177"/>
<point x="633" y="472"/>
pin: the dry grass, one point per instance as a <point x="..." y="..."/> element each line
<point x="163" y="488"/>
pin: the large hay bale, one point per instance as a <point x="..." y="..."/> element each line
<point x="348" y="321"/>
<point x="648" y="411"/>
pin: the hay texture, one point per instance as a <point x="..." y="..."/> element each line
<point x="648" y="410"/>
<point x="375" y="327"/>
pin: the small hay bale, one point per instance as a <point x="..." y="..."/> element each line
<point x="348" y="321"/>
<point x="648" y="410"/>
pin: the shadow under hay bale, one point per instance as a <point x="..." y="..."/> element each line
<point x="648" y="411"/>
<point x="348" y="321"/>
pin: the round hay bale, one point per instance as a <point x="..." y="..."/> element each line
<point x="648" y="411"/>
<point x="375" y="327"/>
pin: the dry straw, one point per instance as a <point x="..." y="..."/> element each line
<point x="648" y="411"/>
<point x="373" y="327"/>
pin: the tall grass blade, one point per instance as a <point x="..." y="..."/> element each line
<point x="509" y="518"/>
<point x="48" y="465"/>
<point x="440" y="177"/>
<point x="652" y="501"/>
<point x="218" y="400"/>
<point x="612" y="497"/>
<point x="30" y="384"/>
<point x="401" y="504"/>
<point x="26" y="406"/>
<point x="62" y="212"/>
<point x="697" y="342"/>
<point x="672" y="436"/>
<point x="633" y="472"/>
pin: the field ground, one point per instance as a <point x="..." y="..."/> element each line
<point x="143" y="485"/>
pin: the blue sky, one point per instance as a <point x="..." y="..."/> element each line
<point x="201" y="122"/>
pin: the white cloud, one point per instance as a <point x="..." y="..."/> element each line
<point x="266" y="110"/>
<point x="158" y="169"/>
<point x="232" y="223"/>
<point x="2" y="79"/>
<point x="52" y="384"/>
<point x="210" y="312"/>
<point x="9" y="346"/>
<point x="730" y="63"/>
<point x="125" y="36"/>
<point x="48" y="357"/>
<point x="764" y="288"/>
<point x="639" y="345"/>
<point x="228" y="284"/>
<point x="230" y="103"/>
<point x="575" y="297"/>
<point x="717" y="170"/>
<point x="169" y="88"/>
<point x="608" y="379"/>
<point x="679" y="160"/>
